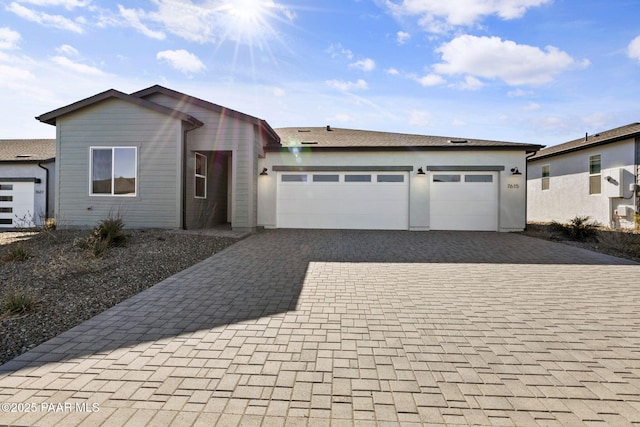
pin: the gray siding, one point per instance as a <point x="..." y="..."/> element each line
<point x="224" y="133"/>
<point x="206" y="213"/>
<point x="118" y="123"/>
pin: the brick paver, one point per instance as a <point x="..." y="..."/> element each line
<point x="301" y="327"/>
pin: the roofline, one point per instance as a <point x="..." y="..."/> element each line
<point x="208" y="105"/>
<point x="51" y="116"/>
<point x="47" y="160"/>
<point x="583" y="147"/>
<point x="527" y="148"/>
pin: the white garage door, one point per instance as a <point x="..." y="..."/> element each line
<point x="346" y="200"/>
<point x="16" y="204"/>
<point x="464" y="201"/>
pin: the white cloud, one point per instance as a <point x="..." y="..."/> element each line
<point x="11" y="76"/>
<point x="8" y="38"/>
<point x="402" y="37"/>
<point x="430" y="80"/>
<point x="278" y="91"/>
<point x="336" y="50"/>
<point x="56" y="21"/>
<point x="532" y="106"/>
<point x="458" y="123"/>
<point x="634" y="49"/>
<point x="494" y="58"/>
<point x="132" y="17"/>
<point x="347" y="86"/>
<point x="77" y="67"/>
<point x="366" y="64"/>
<point x="392" y="71"/>
<point x="471" y="83"/>
<point x="438" y="16"/>
<point x="67" y="4"/>
<point x="67" y="50"/>
<point x="182" y="60"/>
<point x="420" y="118"/>
<point x="517" y="93"/>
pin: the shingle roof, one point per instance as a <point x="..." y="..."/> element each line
<point x="338" y="138"/>
<point x="27" y="150"/>
<point x="606" y="137"/>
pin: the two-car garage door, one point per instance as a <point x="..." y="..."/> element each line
<point x="346" y="200"/>
<point x="457" y="200"/>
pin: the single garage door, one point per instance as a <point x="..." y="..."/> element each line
<point x="16" y="204"/>
<point x="346" y="200"/>
<point x="464" y="201"/>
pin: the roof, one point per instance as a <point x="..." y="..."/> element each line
<point x="589" y="141"/>
<point x="27" y="150"/>
<point x="188" y="99"/>
<point x="51" y="117"/>
<point x="349" y="139"/>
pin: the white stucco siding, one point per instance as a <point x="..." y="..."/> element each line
<point x="568" y="194"/>
<point x="116" y="123"/>
<point x="511" y="189"/>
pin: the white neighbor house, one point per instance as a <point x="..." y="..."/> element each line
<point x="161" y="158"/>
<point x="595" y="176"/>
<point x="26" y="181"/>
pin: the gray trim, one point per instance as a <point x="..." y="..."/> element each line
<point x="35" y="180"/>
<point x="466" y="168"/>
<point x="450" y="147"/>
<point x="342" y="168"/>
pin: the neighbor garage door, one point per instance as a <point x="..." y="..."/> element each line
<point x="463" y="201"/>
<point x="348" y="200"/>
<point x="16" y="204"/>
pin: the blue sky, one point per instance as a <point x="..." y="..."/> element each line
<point x="535" y="71"/>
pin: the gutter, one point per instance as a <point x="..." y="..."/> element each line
<point x="195" y="124"/>
<point x="46" y="192"/>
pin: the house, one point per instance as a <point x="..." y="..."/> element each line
<point x="160" y="158"/>
<point x="26" y="181"/>
<point x="595" y="176"/>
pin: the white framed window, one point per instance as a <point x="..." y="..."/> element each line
<point x="114" y="171"/>
<point x="595" y="175"/>
<point x="200" y="191"/>
<point x="546" y="173"/>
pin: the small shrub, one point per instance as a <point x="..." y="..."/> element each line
<point x="49" y="224"/>
<point x="622" y="241"/>
<point x="18" y="302"/>
<point x="18" y="253"/>
<point x="580" y="228"/>
<point x="110" y="230"/>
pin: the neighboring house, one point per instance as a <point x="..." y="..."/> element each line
<point x="26" y="181"/>
<point x="160" y="158"/>
<point x="595" y="176"/>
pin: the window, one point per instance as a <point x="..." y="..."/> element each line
<point x="446" y="178"/>
<point x="6" y="198"/>
<point x="390" y="178"/>
<point x="294" y="178"/>
<point x="7" y="187"/>
<point x="113" y="171"/>
<point x="478" y="178"/>
<point x="6" y="210"/>
<point x="201" y="176"/>
<point x="357" y="178"/>
<point x="545" y="177"/>
<point x="326" y="178"/>
<point x="595" y="179"/>
<point x="6" y="221"/>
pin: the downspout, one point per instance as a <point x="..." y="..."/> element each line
<point x="526" y="189"/>
<point x="194" y="125"/>
<point x="46" y="191"/>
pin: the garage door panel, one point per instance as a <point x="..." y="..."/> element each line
<point x="465" y="204"/>
<point x="343" y="205"/>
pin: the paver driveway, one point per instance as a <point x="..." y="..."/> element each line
<point x="353" y="328"/>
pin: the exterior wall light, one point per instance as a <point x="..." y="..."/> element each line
<point x="264" y="172"/>
<point x="420" y="171"/>
<point x="515" y="171"/>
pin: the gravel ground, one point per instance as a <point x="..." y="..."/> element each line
<point x="71" y="285"/>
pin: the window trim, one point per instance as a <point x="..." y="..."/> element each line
<point x="593" y="175"/>
<point x="112" y="148"/>
<point x="197" y="176"/>
<point x="546" y="178"/>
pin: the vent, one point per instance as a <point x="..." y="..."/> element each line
<point x="309" y="142"/>
<point x="458" y="141"/>
<point x="304" y="130"/>
<point x="24" y="156"/>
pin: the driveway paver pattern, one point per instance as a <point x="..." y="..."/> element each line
<point x="304" y="327"/>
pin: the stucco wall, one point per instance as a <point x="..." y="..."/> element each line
<point x="116" y="123"/>
<point x="568" y="194"/>
<point x="511" y="188"/>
